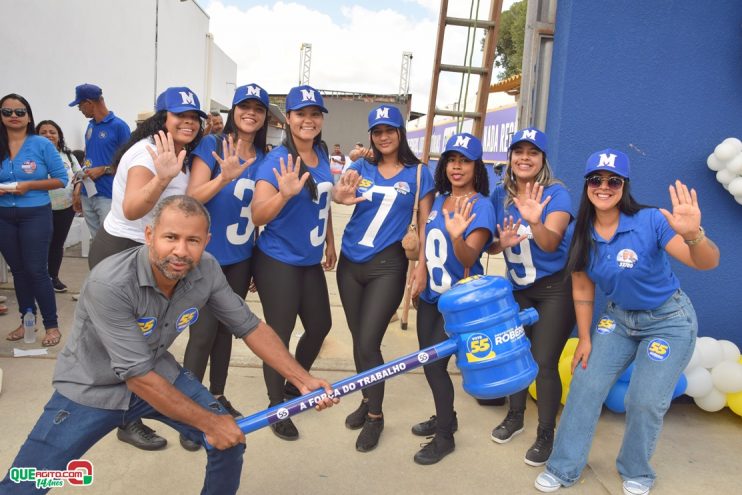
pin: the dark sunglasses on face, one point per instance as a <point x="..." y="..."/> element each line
<point x="595" y="181"/>
<point x="19" y="112"/>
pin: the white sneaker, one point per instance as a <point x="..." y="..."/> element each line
<point x="631" y="487"/>
<point x="547" y="482"/>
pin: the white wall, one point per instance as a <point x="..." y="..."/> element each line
<point x="52" y="46"/>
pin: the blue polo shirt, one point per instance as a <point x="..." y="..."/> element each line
<point x="102" y="139"/>
<point x="444" y="269"/>
<point x="296" y="235"/>
<point x="37" y="159"/>
<point x="633" y="268"/>
<point x="527" y="262"/>
<point x="382" y="219"/>
<point x="232" y="230"/>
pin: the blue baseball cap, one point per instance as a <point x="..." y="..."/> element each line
<point x="304" y="96"/>
<point x="385" y="114"/>
<point x="610" y="160"/>
<point x="86" y="92"/>
<point x="533" y="136"/>
<point x="466" y="144"/>
<point x="179" y="99"/>
<point x="251" y="92"/>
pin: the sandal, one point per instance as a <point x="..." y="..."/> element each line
<point x="52" y="338"/>
<point x="16" y="334"/>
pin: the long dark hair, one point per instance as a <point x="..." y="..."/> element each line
<point x="405" y="156"/>
<point x="61" y="145"/>
<point x="30" y="130"/>
<point x="545" y="177"/>
<point x="481" y="180"/>
<point x="288" y="142"/>
<point x="261" y="137"/>
<point x="149" y="128"/>
<point x="582" y="239"/>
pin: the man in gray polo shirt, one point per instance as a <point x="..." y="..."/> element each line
<point x="116" y="366"/>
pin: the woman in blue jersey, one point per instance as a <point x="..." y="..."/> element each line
<point x="30" y="167"/>
<point x="292" y="199"/>
<point x="622" y="247"/>
<point x="533" y="212"/>
<point x="223" y="178"/>
<point x="372" y="267"/>
<point x="458" y="230"/>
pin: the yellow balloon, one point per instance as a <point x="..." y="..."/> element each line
<point x="532" y="389"/>
<point x="565" y="375"/>
<point x="734" y="401"/>
<point x="565" y="393"/>
<point x="569" y="348"/>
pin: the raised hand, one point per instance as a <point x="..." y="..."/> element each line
<point x="289" y="182"/>
<point x="167" y="163"/>
<point x="462" y="217"/>
<point x="531" y="207"/>
<point x="230" y="165"/>
<point x="345" y="190"/>
<point x="508" y="233"/>
<point x="685" y="218"/>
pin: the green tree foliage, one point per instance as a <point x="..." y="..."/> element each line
<point x="509" y="52"/>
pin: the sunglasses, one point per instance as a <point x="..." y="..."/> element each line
<point x="595" y="181"/>
<point x="19" y="112"/>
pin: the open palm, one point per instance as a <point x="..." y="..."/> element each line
<point x="685" y="218"/>
<point x="289" y="182"/>
<point x="167" y="162"/>
<point x="462" y="217"/>
<point x="531" y="207"/>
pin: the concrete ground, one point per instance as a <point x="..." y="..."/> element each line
<point x="697" y="452"/>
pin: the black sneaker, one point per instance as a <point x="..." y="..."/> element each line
<point x="140" y="436"/>
<point x="285" y="430"/>
<point x="540" y="451"/>
<point x="368" y="439"/>
<point x="58" y="285"/>
<point x="228" y="406"/>
<point x="188" y="444"/>
<point x="357" y="418"/>
<point x="427" y="428"/>
<point x="510" y="426"/>
<point x="500" y="401"/>
<point x="434" y="451"/>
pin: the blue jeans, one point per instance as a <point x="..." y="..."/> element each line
<point x="95" y="208"/>
<point x="660" y="343"/>
<point x="66" y="430"/>
<point x="25" y="234"/>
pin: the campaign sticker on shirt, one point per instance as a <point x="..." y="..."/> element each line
<point x="186" y="318"/>
<point x="29" y="166"/>
<point x="626" y="258"/>
<point x="605" y="325"/>
<point x="658" y="350"/>
<point x="102" y="134"/>
<point x="479" y="348"/>
<point x="402" y="187"/>
<point x="147" y="325"/>
<point x="365" y="184"/>
<point x="432" y="216"/>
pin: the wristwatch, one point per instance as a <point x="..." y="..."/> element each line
<point x="108" y="170"/>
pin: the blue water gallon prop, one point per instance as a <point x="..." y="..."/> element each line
<point x="494" y="354"/>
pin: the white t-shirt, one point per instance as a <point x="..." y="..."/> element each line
<point x="137" y="156"/>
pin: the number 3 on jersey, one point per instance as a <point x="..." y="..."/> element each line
<point x="233" y="234"/>
<point x="317" y="235"/>
<point x="436" y="254"/>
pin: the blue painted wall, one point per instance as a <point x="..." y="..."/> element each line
<point x="661" y="81"/>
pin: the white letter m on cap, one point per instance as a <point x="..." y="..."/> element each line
<point x="253" y="91"/>
<point x="529" y="135"/>
<point x="607" y="160"/>
<point x="462" y="142"/>
<point x="307" y="94"/>
<point x="382" y="113"/>
<point x="187" y="98"/>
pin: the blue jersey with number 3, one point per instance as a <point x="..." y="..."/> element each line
<point x="527" y="262"/>
<point x="297" y="234"/>
<point x="382" y="219"/>
<point x="232" y="230"/>
<point x="444" y="269"/>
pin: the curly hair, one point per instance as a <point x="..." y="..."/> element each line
<point x="481" y="179"/>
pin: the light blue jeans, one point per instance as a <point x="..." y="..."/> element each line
<point x="95" y="209"/>
<point x="660" y="343"/>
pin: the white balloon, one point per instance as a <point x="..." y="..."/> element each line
<point x="700" y="382"/>
<point x="725" y="151"/>
<point x="735" y="187"/>
<point x="725" y="176"/>
<point x="727" y="377"/>
<point x="711" y="351"/>
<point x="695" y="359"/>
<point x="734" y="165"/>
<point x="714" y="401"/>
<point x="734" y="142"/>
<point x="731" y="351"/>
<point x="714" y="163"/>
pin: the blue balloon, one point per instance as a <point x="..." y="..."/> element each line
<point x="680" y="386"/>
<point x="616" y="397"/>
<point x="626" y="375"/>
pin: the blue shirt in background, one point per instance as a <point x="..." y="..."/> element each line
<point x="37" y="159"/>
<point x="102" y="139"/>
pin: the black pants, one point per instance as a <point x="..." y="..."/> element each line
<point x="105" y="245"/>
<point x="61" y="223"/>
<point x="208" y="338"/>
<point x="430" y="332"/>
<point x="552" y="297"/>
<point x="288" y="291"/>
<point x="371" y="293"/>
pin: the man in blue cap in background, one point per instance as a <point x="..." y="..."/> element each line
<point x="104" y="135"/>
